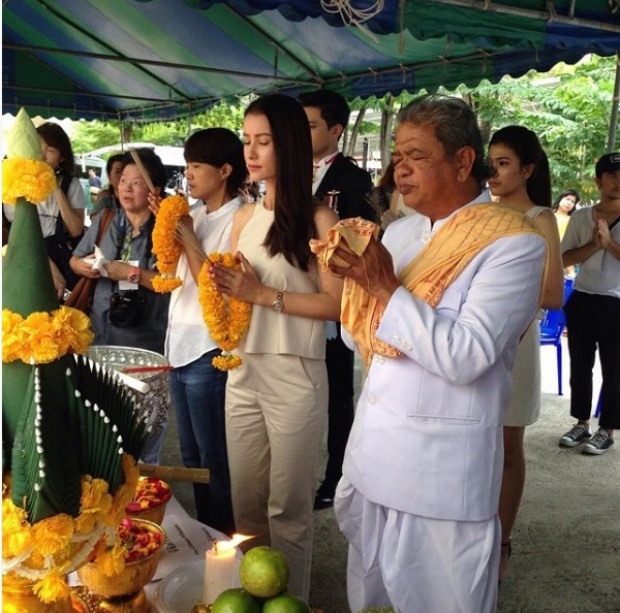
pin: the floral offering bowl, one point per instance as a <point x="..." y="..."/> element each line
<point x="144" y="541"/>
<point x="152" y="496"/>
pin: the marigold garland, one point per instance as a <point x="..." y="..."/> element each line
<point x="227" y="319"/>
<point x="33" y="180"/>
<point x="43" y="337"/>
<point x="166" y="246"/>
<point x="53" y="547"/>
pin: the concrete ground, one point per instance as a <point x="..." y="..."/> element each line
<point x="566" y="543"/>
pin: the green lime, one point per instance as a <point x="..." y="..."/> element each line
<point x="264" y="572"/>
<point x="235" y="600"/>
<point x="286" y="603"/>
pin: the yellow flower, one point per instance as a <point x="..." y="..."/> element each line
<point x="52" y="587"/>
<point x="44" y="337"/>
<point x="95" y="504"/>
<point x="33" y="180"/>
<point x="39" y="329"/>
<point x="13" y="338"/>
<point x="125" y="493"/>
<point x="164" y="284"/>
<point x="53" y="534"/>
<point x="227" y="320"/>
<point x="16" y="531"/>
<point x="112" y="560"/>
<point x="75" y="327"/>
<point x="227" y="361"/>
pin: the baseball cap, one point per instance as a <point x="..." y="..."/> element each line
<point x="607" y="163"/>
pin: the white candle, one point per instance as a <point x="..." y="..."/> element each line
<point x="220" y="569"/>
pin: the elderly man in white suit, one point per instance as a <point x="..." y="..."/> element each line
<point x="423" y="467"/>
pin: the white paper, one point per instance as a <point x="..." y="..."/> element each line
<point x="126" y="285"/>
<point x="100" y="262"/>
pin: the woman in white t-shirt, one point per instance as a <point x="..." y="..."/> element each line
<point x="216" y="173"/>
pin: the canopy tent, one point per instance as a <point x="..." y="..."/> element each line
<point x="158" y="59"/>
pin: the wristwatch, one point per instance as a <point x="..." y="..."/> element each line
<point x="278" y="305"/>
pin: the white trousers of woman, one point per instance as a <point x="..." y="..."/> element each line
<point x="276" y="411"/>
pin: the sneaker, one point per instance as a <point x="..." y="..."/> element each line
<point x="575" y="436"/>
<point x="600" y="443"/>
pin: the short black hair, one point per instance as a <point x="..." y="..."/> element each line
<point x="334" y="107"/>
<point x="216" y="147"/>
<point x="153" y="164"/>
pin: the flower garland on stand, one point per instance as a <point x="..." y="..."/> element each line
<point x="48" y="550"/>
<point x="227" y="319"/>
<point x="166" y="246"/>
<point x="71" y="431"/>
<point x="43" y="337"/>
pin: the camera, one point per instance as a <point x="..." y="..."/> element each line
<point x="126" y="308"/>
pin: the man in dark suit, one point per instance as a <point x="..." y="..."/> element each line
<point x="343" y="186"/>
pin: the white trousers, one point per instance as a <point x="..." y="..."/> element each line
<point x="276" y="411"/>
<point x="416" y="564"/>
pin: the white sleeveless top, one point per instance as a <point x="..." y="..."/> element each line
<point x="269" y="331"/>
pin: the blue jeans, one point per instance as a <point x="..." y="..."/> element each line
<point x="198" y="391"/>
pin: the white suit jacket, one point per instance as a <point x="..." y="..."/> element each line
<point x="427" y="436"/>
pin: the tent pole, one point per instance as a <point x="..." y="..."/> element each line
<point x="613" y="122"/>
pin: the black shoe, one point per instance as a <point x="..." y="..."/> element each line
<point x="323" y="501"/>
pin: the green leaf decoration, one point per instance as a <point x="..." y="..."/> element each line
<point x="115" y="426"/>
<point x="45" y="461"/>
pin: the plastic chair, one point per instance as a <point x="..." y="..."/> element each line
<point x="551" y="329"/>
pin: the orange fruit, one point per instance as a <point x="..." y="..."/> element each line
<point x="286" y="603"/>
<point x="235" y="600"/>
<point x="264" y="572"/>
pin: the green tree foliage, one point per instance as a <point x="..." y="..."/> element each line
<point x="95" y="134"/>
<point x="569" y="108"/>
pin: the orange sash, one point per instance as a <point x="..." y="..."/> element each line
<point x="470" y="230"/>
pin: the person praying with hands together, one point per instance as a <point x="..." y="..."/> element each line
<point x="276" y="401"/>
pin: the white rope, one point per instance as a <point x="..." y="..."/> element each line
<point x="351" y="15"/>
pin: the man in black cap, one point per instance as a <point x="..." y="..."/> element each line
<point x="592" y="240"/>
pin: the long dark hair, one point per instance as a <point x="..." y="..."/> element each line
<point x="528" y="149"/>
<point x="56" y="137"/>
<point x="216" y="147"/>
<point x="293" y="224"/>
<point x="567" y="192"/>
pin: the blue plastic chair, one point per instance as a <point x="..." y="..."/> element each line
<point x="551" y="329"/>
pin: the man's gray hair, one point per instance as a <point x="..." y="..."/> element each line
<point x="455" y="126"/>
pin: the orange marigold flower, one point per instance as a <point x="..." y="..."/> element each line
<point x="95" y="504"/>
<point x="43" y="337"/>
<point x="53" y="534"/>
<point x="13" y="338"/>
<point x="16" y="531"/>
<point x="33" y="180"/>
<point x="227" y="319"/>
<point x="52" y="587"/>
<point x="112" y="560"/>
<point x="42" y="347"/>
<point x="164" y="284"/>
<point x="165" y="244"/>
<point x="75" y="326"/>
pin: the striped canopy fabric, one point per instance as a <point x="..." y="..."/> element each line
<point x="158" y="59"/>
